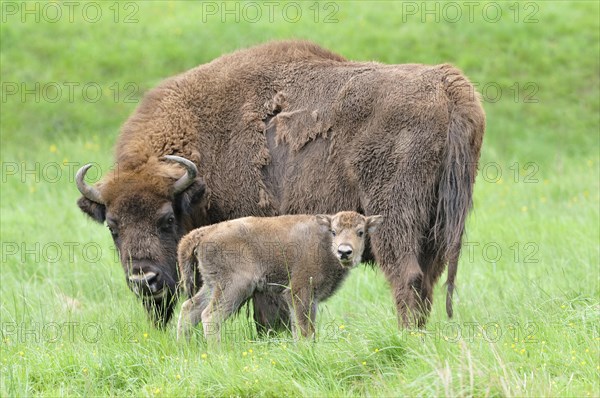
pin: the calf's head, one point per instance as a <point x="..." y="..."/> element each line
<point x="348" y="231"/>
<point x="148" y="209"/>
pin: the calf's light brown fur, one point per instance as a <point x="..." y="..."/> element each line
<point x="303" y="258"/>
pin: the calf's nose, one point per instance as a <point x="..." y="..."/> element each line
<point x="344" y="252"/>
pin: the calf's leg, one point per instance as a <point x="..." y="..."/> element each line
<point x="225" y="301"/>
<point x="191" y="312"/>
<point x="304" y="307"/>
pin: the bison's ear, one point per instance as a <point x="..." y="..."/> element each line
<point x="192" y="195"/>
<point x="324" y="220"/>
<point x="373" y="222"/>
<point x="96" y="211"/>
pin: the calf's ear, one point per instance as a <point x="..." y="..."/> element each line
<point x="373" y="222"/>
<point x="96" y="211"/>
<point x="324" y="220"/>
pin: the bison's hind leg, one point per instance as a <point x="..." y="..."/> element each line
<point x="411" y="292"/>
<point x="191" y="312"/>
<point x="271" y="313"/>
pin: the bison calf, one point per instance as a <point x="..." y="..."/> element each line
<point x="301" y="257"/>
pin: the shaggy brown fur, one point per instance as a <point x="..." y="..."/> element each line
<point x="291" y="128"/>
<point x="302" y="258"/>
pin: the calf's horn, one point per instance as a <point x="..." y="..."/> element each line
<point x="86" y="190"/>
<point x="188" y="178"/>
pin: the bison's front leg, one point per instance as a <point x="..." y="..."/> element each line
<point x="270" y="313"/>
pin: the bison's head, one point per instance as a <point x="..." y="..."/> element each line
<point x="147" y="209"/>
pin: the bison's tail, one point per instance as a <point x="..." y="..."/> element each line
<point x="187" y="258"/>
<point x="459" y="167"/>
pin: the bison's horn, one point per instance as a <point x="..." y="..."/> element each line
<point x="86" y="190"/>
<point x="188" y="178"/>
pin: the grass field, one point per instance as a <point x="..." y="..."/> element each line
<point x="527" y="317"/>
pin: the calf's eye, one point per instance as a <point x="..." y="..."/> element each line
<point x="360" y="233"/>
<point x="332" y="232"/>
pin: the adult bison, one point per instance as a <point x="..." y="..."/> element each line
<point x="288" y="128"/>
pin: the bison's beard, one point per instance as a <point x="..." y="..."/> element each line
<point x="160" y="310"/>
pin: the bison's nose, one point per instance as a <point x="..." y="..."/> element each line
<point x="344" y="252"/>
<point x="145" y="283"/>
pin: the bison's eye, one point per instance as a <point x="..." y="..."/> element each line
<point x="332" y="232"/>
<point x="360" y="233"/>
<point x="168" y="222"/>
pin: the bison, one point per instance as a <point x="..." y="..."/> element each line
<point x="302" y="258"/>
<point x="291" y="128"/>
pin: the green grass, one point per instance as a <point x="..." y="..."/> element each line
<point x="528" y="284"/>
